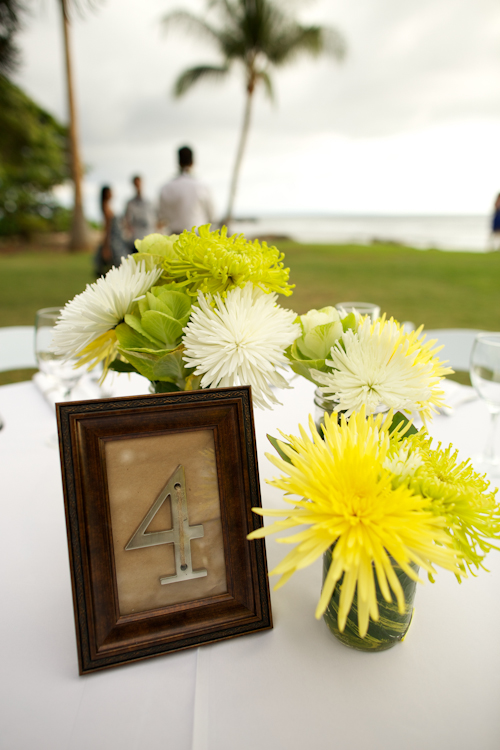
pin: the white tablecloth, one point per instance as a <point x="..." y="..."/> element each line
<point x="292" y="687"/>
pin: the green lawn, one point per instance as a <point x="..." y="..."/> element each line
<point x="439" y="289"/>
<point x="31" y="280"/>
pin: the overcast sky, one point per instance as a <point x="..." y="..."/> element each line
<point x="408" y="124"/>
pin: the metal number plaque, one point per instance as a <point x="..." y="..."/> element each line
<point x="179" y="535"/>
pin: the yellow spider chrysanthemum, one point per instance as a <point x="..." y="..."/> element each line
<point x="380" y="364"/>
<point x="349" y="501"/>
<point x="213" y="263"/>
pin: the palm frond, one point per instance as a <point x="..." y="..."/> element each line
<point x="264" y="76"/>
<point x="193" y="25"/>
<point x="200" y="72"/>
<point x="310" y="40"/>
<point x="334" y="43"/>
<point x="11" y="12"/>
<point x="79" y="8"/>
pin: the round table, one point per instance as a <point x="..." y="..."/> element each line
<point x="293" y="687"/>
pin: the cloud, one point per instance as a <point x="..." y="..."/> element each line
<point x="412" y="68"/>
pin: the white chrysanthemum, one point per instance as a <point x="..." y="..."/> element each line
<point x="85" y="328"/>
<point x="381" y="365"/>
<point x="240" y="341"/>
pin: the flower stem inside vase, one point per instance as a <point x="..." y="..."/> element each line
<point x="324" y="406"/>
<point x="392" y="625"/>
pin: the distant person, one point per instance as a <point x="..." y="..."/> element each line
<point x="140" y="216"/>
<point x="495" y="226"/>
<point x="113" y="247"/>
<point x="184" y="201"/>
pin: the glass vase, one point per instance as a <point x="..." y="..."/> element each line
<point x="391" y="627"/>
<point x="322" y="405"/>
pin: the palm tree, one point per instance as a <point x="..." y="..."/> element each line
<point x="259" y="35"/>
<point x="79" y="235"/>
<point x="10" y="23"/>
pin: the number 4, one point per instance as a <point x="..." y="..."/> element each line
<point x="179" y="535"/>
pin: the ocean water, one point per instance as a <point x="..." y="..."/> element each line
<point x="462" y="233"/>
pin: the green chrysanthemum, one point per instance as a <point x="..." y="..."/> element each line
<point x="458" y="494"/>
<point x="214" y="263"/>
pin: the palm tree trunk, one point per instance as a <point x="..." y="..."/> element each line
<point x="239" y="156"/>
<point x="79" y="236"/>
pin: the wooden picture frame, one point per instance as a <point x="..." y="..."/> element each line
<point x="158" y="494"/>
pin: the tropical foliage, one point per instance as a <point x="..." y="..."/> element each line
<point x="10" y="22"/>
<point x="256" y="36"/>
<point x="33" y="159"/>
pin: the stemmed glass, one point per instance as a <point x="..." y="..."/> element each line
<point x="60" y="370"/>
<point x="485" y="377"/>
<point x="362" y="308"/>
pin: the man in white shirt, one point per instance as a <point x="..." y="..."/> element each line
<point x="184" y="201"/>
<point x="140" y="216"/>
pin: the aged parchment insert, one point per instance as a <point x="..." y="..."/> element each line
<point x="137" y="471"/>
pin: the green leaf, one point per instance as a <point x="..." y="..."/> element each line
<point x="119" y="366"/>
<point x="167" y="367"/>
<point x="294" y="354"/>
<point x="128" y="338"/>
<point x="153" y="302"/>
<point x="163" y="386"/>
<point x="304" y="368"/>
<point x="318" y="342"/>
<point x="193" y="382"/>
<point x="162" y="328"/>
<point x="157" y="353"/>
<point x="277" y="448"/>
<point x="142" y="361"/>
<point x="178" y="303"/>
<point x="136" y="324"/>
<point x="400" y="419"/>
<point x="349" y="322"/>
<point x="171" y="367"/>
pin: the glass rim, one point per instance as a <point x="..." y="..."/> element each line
<point x="49" y="311"/>
<point x="494" y="337"/>
<point x="357" y="304"/>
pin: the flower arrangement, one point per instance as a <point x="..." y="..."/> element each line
<point x="357" y="363"/>
<point x="188" y="311"/>
<point x="378" y="500"/>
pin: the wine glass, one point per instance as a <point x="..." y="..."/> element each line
<point x="362" y="308"/>
<point x="485" y="377"/>
<point x="59" y="370"/>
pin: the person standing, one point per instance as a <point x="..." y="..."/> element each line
<point x="140" y="216"/>
<point x="113" y="246"/>
<point x="185" y="202"/>
<point x="494" y="243"/>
